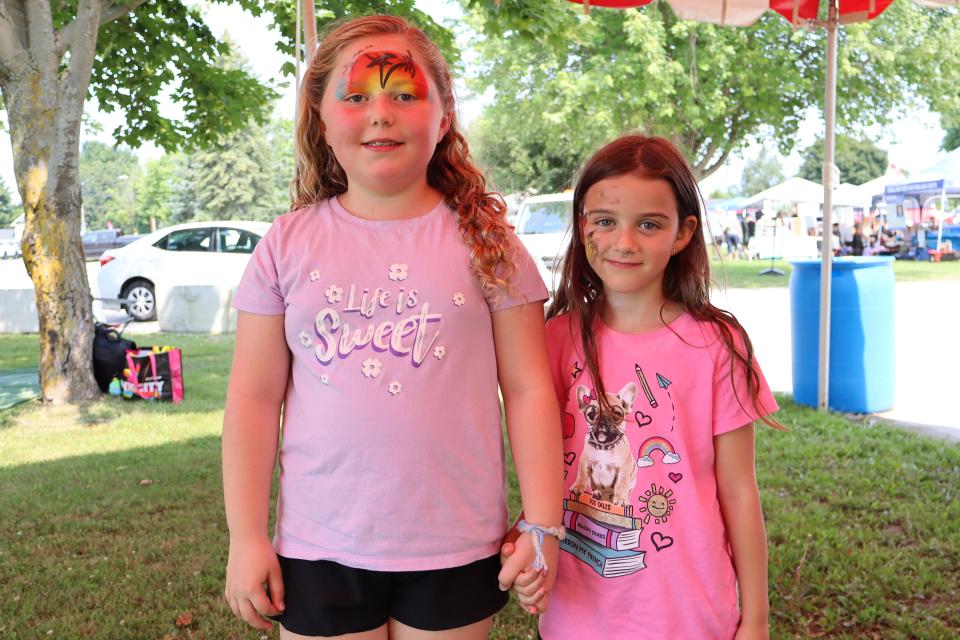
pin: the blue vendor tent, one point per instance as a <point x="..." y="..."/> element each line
<point x="942" y="178"/>
<point x="935" y="182"/>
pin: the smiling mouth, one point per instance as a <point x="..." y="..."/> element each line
<point x="623" y="265"/>
<point x="380" y="143"/>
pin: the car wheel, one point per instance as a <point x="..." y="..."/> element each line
<point x="142" y="303"/>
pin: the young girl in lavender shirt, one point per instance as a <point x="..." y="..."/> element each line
<point x="379" y="316"/>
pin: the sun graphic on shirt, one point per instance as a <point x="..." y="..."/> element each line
<point x="657" y="504"/>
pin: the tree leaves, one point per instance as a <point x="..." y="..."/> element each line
<point x="567" y="84"/>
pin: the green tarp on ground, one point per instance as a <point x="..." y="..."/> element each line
<point x="18" y="385"/>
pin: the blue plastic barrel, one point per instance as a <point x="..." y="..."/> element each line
<point x="862" y="364"/>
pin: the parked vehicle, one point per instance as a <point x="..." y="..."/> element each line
<point x="9" y="248"/>
<point x="97" y="241"/>
<point x="543" y="225"/>
<point x="193" y="253"/>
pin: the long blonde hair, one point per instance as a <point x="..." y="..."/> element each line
<point x="481" y="214"/>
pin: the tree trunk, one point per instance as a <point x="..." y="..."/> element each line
<point x="45" y="135"/>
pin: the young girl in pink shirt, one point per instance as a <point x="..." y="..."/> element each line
<point x="379" y="316"/>
<point x="658" y="391"/>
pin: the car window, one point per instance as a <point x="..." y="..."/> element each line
<point x="90" y="238"/>
<point x="187" y="240"/>
<point x="237" y="241"/>
<point x="545" y="217"/>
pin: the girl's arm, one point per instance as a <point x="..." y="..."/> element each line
<point x="743" y="519"/>
<point x="533" y="426"/>
<point x="251" y="427"/>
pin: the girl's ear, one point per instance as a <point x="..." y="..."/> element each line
<point x="444" y="126"/>
<point x="688" y="226"/>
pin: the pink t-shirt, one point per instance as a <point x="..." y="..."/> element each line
<point x="392" y="451"/>
<point x="646" y="554"/>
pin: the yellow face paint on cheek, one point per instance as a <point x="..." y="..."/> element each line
<point x="590" y="246"/>
<point x="376" y="71"/>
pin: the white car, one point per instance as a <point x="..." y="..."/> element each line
<point x="543" y="225"/>
<point x="214" y="252"/>
<point x="9" y="248"/>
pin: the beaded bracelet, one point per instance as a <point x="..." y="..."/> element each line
<point x="537" y="531"/>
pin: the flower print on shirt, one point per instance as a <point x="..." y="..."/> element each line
<point x="305" y="339"/>
<point x="371" y="367"/>
<point x="314" y="275"/>
<point x="439" y="352"/>
<point x="398" y="271"/>
<point x="324" y="378"/>
<point x="334" y="294"/>
<point x="394" y="388"/>
<point x="458" y="299"/>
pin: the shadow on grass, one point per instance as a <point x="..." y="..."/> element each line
<point x="116" y="545"/>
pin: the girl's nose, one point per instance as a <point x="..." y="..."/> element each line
<point x="381" y="110"/>
<point x="626" y="241"/>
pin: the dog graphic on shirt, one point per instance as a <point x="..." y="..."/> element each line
<point x="607" y="467"/>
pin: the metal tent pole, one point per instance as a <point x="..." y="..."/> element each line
<point x="830" y="180"/>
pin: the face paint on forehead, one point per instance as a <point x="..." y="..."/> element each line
<point x="375" y="71"/>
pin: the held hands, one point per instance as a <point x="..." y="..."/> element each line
<point x="531" y="586"/>
<point x="251" y="564"/>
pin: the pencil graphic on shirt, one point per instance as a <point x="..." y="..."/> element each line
<point x="646" y="387"/>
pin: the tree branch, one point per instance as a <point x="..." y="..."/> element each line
<point x="727" y="149"/>
<point x="109" y="15"/>
<point x="82" y="49"/>
<point x="40" y="36"/>
<point x="13" y="56"/>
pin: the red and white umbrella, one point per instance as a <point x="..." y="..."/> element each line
<point x="741" y="13"/>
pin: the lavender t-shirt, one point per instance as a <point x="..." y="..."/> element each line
<point x="392" y="454"/>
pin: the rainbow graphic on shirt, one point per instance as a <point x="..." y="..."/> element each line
<point x="377" y="71"/>
<point x="668" y="454"/>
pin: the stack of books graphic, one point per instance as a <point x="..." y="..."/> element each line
<point x="603" y="535"/>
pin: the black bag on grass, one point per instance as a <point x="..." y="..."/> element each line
<point x="109" y="354"/>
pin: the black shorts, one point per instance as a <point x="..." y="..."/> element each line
<point x="324" y="598"/>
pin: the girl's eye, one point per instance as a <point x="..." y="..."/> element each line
<point x="406" y="97"/>
<point x="355" y="98"/>
<point x="603" y="222"/>
<point x="649" y="225"/>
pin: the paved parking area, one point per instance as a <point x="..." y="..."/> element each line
<point x="927" y="348"/>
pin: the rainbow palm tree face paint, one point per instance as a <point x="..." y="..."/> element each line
<point x="377" y="71"/>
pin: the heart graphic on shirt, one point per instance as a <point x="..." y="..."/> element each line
<point x="568" y="457"/>
<point x="642" y="419"/>
<point x="675" y="477"/>
<point x="567" y="424"/>
<point x="660" y="541"/>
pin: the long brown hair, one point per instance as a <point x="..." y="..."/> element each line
<point x="686" y="279"/>
<point x="481" y="214"/>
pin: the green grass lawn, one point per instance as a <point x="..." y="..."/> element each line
<point x="113" y="522"/>
<point x="741" y="274"/>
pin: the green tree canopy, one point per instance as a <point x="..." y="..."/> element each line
<point x="154" y="193"/>
<point x="761" y="172"/>
<point x="8" y="210"/>
<point x="857" y="159"/>
<point x="565" y="82"/>
<point x="108" y="176"/>
<point x="951" y="140"/>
